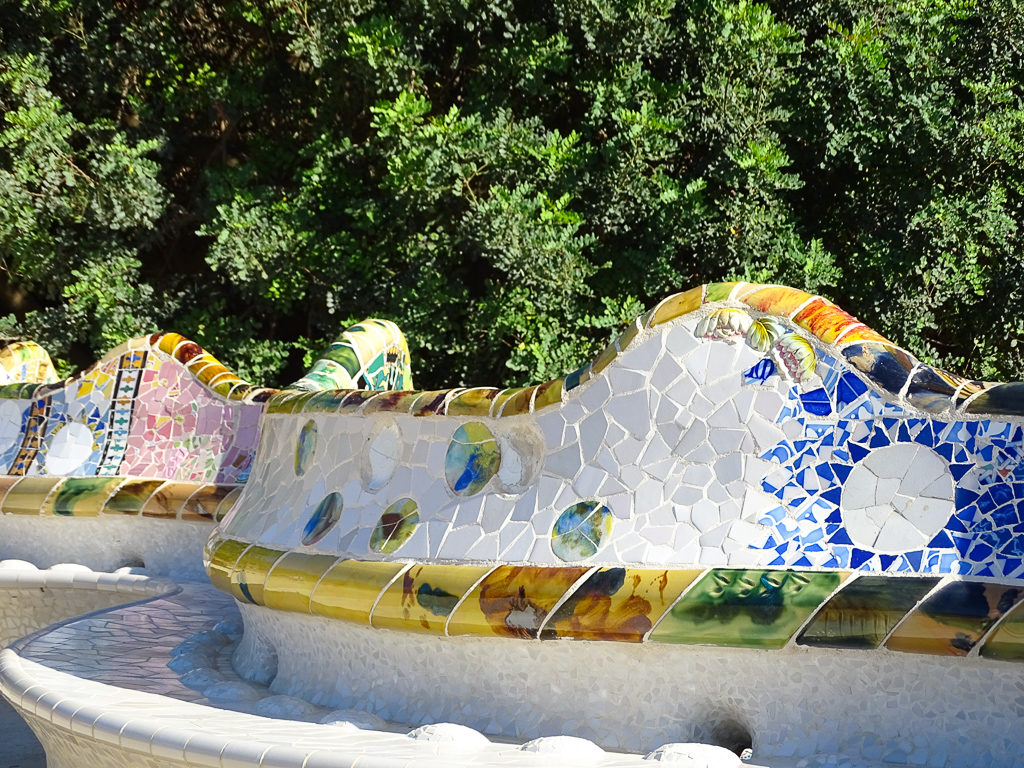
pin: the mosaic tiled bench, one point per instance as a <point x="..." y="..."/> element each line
<point x="751" y="520"/>
<point x="767" y="521"/>
<point x="158" y="429"/>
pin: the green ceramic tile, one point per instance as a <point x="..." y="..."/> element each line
<point x="747" y="609"/>
<point x="83" y="496"/>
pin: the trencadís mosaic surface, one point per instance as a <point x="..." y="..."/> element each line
<point x="25" y="361"/>
<point x="158" y="427"/>
<point x="739" y="468"/>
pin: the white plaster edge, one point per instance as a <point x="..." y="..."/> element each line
<point x="17" y="574"/>
<point x="171" y="730"/>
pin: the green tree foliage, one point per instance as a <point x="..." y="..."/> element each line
<point x="508" y="181"/>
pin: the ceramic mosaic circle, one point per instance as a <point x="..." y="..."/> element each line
<point x="580" y="529"/>
<point x="323" y="518"/>
<point x="305" y="446"/>
<point x="472" y="459"/>
<point x="68" y="449"/>
<point x="395" y="526"/>
<point x="898" y="498"/>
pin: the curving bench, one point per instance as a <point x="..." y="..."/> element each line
<point x="137" y="685"/>
<point x="751" y="519"/>
<point x="158" y="430"/>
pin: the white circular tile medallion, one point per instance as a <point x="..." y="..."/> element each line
<point x="68" y="449"/>
<point x="898" y="498"/>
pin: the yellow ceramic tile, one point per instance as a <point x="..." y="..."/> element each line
<point x="169" y="499"/>
<point x="356" y="400"/>
<point x="227" y="503"/>
<point x="425" y="595"/>
<point x="742" y="290"/>
<point x="204" y="502"/>
<point x="363" y="345"/>
<point x="951" y="621"/>
<point x="85" y="386"/>
<point x="210" y="546"/>
<point x="200" y="361"/>
<point x="131" y="497"/>
<point x="720" y="291"/>
<point x="325" y="401"/>
<point x="824" y="320"/>
<point x="222" y="555"/>
<point x="210" y="372"/>
<point x="392" y="402"/>
<point x="627" y="337"/>
<point x="279" y="402"/>
<point x="169" y="341"/>
<point x="225" y="384"/>
<point x="604" y="357"/>
<point x="250" y="572"/>
<point x="503" y="397"/>
<point x="677" y="306"/>
<point x="1007" y="642"/>
<point x="548" y="394"/>
<point x="350" y="588"/>
<point x="513" y="601"/>
<point x="29" y="495"/>
<point x="243" y="390"/>
<point x="290" y="583"/>
<point x="860" y="335"/>
<point x="472" y="402"/>
<point x="6" y="483"/>
<point x="222" y="375"/>
<point x="521" y="402"/>
<point x="296" y="404"/>
<point x="432" y="403"/>
<point x="618" y="604"/>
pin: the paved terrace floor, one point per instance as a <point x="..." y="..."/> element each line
<point x="112" y="662"/>
<point x="130" y="647"/>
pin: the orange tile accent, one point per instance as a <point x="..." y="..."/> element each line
<point x="776" y="300"/>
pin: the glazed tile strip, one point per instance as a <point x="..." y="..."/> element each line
<point x="890" y="368"/>
<point x="371" y="354"/>
<point x="92" y="496"/>
<point x="755" y="608"/>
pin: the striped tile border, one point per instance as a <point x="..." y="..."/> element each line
<point x="754" y="608"/>
<point x="94" y="496"/>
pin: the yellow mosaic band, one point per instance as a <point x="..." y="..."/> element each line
<point x="742" y="608"/>
<point x="94" y="496"/>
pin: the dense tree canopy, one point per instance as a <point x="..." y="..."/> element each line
<point x="508" y="181"/>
